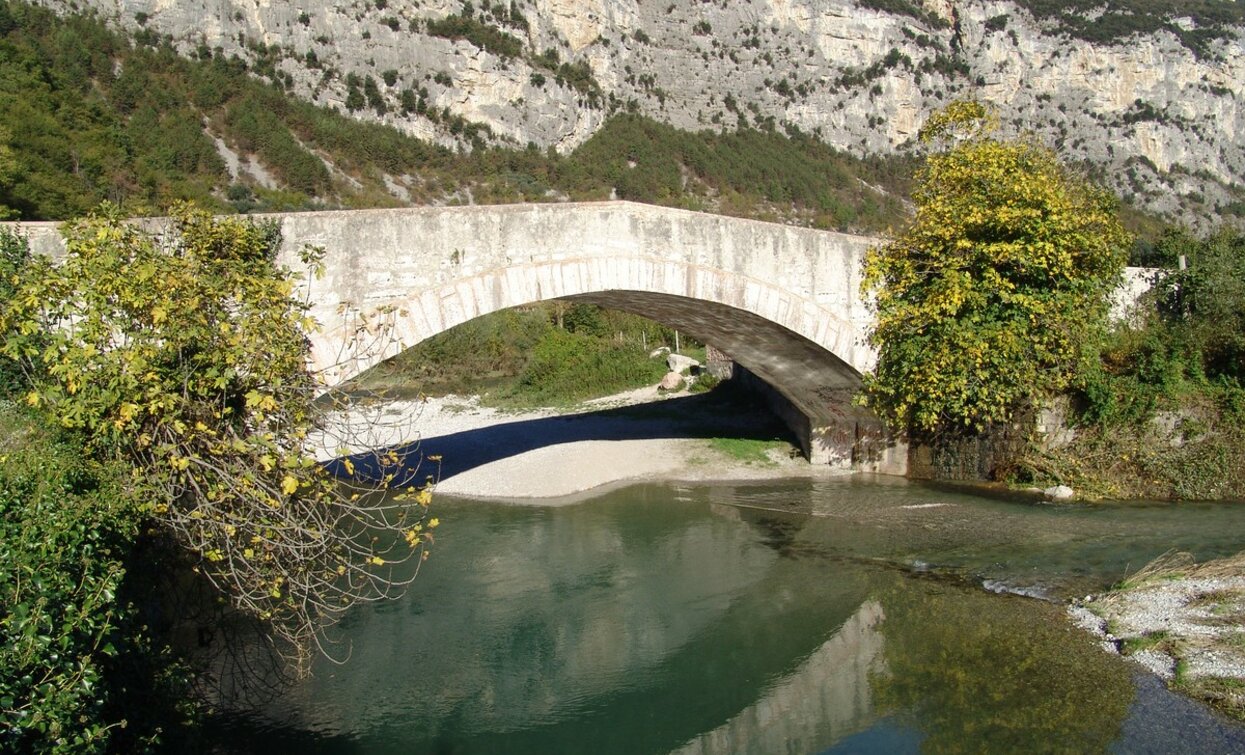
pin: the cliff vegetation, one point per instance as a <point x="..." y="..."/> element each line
<point x="97" y="117"/>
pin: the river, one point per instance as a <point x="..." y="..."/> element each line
<point x="798" y="616"/>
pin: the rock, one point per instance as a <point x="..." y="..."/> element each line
<point x="673" y="381"/>
<point x="659" y="351"/>
<point x="1059" y="493"/>
<point x="679" y="363"/>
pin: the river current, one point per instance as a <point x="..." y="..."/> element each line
<point x="840" y="616"/>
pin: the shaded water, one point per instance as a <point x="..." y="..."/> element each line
<point x="800" y="616"/>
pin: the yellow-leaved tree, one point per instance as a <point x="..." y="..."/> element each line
<point x="985" y="304"/>
<point x="183" y="356"/>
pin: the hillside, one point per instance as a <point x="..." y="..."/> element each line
<point x="1146" y="94"/>
<point x="91" y="115"/>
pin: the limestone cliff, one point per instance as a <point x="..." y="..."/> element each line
<point x="1158" y="115"/>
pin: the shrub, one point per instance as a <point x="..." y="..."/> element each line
<point x="986" y="303"/>
<point x="65" y="530"/>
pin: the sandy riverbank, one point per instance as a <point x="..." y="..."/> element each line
<point x="553" y="456"/>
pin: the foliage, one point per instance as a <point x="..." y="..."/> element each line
<point x="257" y="128"/>
<point x="752" y="173"/>
<point x="566" y="367"/>
<point x="77" y="672"/>
<point x="1161" y="412"/>
<point x="478" y="33"/>
<point x="491" y="355"/>
<point x="8" y="171"/>
<point x="470" y="358"/>
<point x="183" y="358"/>
<point x="74" y="147"/>
<point x="906" y="8"/>
<point x="1193" y="343"/>
<point x="987" y="301"/>
<point x="1205" y="302"/>
<point x="14" y="259"/>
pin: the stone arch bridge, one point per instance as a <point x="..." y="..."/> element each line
<point x="783" y="302"/>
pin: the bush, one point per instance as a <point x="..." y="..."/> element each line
<point x="567" y="367"/>
<point x="987" y="302"/>
<point x="76" y="673"/>
<point x="182" y="358"/>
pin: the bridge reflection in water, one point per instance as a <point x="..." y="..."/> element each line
<point x="763" y="617"/>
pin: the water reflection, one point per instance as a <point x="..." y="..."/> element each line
<point x="749" y="618"/>
<point x="974" y="672"/>
<point x="826" y="697"/>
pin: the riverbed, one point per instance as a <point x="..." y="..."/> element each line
<point x="807" y="615"/>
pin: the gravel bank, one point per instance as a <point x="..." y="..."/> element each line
<point x="549" y="456"/>
<point x="1181" y="621"/>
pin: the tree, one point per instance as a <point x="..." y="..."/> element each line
<point x="986" y="302"/>
<point x="8" y="171"/>
<point x="1203" y="304"/>
<point x="184" y="357"/>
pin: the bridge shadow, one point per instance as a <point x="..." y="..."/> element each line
<point x="724" y="412"/>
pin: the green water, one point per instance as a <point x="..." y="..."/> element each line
<point x="843" y="616"/>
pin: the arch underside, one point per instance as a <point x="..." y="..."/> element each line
<point x="810" y="376"/>
<point x="816" y="387"/>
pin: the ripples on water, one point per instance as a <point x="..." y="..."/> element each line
<point x="838" y="616"/>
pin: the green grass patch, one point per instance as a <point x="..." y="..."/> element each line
<point x="565" y="368"/>
<point x="1161" y="641"/>
<point x="749" y="450"/>
<point x="549" y="354"/>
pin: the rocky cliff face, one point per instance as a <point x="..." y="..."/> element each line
<point x="1159" y="120"/>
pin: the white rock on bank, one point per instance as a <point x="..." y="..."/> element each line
<point x="681" y="364"/>
<point x="1059" y="493"/>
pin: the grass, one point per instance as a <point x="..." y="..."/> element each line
<point x="748" y="450"/>
<point x="1170" y="566"/>
<point x="524" y="358"/>
<point x="1162" y="641"/>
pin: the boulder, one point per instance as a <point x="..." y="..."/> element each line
<point x="673" y="381"/>
<point x="1059" y="493"/>
<point x="680" y="363"/>
<point x="659" y="351"/>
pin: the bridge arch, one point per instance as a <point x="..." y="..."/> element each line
<point x="781" y="301"/>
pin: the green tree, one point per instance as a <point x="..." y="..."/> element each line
<point x="183" y="357"/>
<point x="8" y="170"/>
<point x="1204" y="303"/>
<point x="80" y="671"/>
<point x="987" y="301"/>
